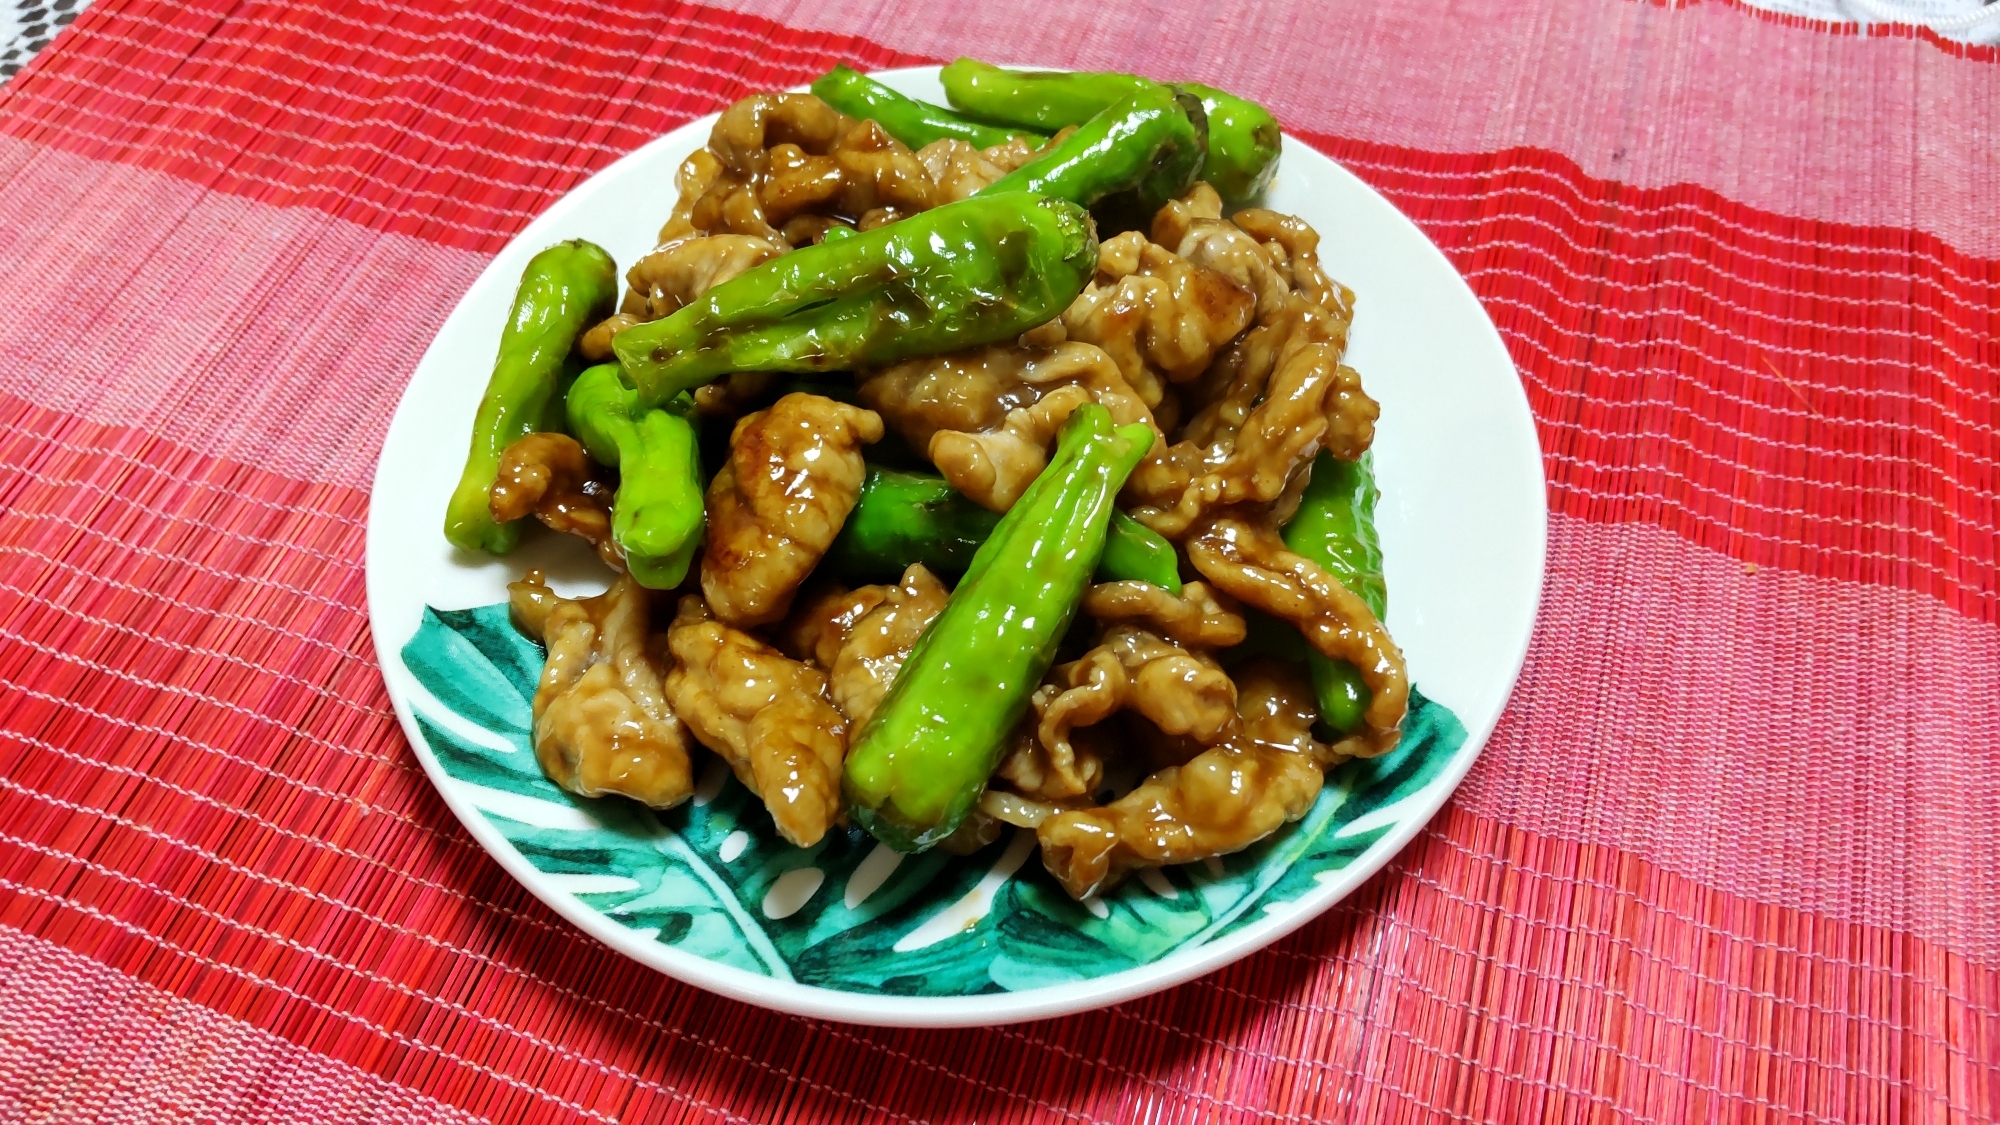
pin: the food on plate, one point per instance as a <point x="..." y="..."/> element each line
<point x="1335" y="529"/>
<point x="921" y="762"/>
<point x="793" y="474"/>
<point x="564" y="290"/>
<point x="602" y="721"/>
<point x="904" y="517"/>
<point x="968" y="273"/>
<point x="1128" y="160"/>
<point x="1243" y="138"/>
<point x="915" y="123"/>
<point x="932" y="514"/>
<point x="656" y="511"/>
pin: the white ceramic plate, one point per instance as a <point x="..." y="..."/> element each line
<point x="848" y="931"/>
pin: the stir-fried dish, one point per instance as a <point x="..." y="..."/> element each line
<point x="961" y="468"/>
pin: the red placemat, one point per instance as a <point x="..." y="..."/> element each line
<point x="1733" y="853"/>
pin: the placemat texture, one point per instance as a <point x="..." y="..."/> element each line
<point x="1732" y="854"/>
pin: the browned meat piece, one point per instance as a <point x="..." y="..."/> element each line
<point x="1222" y="800"/>
<point x="1159" y="316"/>
<point x="693" y="181"/>
<point x="773" y="158"/>
<point x="1198" y="618"/>
<point x="767" y="715"/>
<point x="1184" y="693"/>
<point x="821" y="619"/>
<point x="672" y="276"/>
<point x="1277" y="393"/>
<point x="811" y="230"/>
<point x="987" y="416"/>
<point x="1293" y="248"/>
<point x="602" y="723"/>
<point x="793" y="474"/>
<point x="1275" y="700"/>
<point x="881" y="639"/>
<point x="1067" y="775"/>
<point x="734" y="393"/>
<point x="958" y="169"/>
<point x="678" y="272"/>
<point x="1193" y="228"/>
<point x="1250" y="562"/>
<point x="595" y="343"/>
<point x="1350" y="416"/>
<point x="551" y="476"/>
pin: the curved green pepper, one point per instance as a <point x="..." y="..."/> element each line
<point x="921" y="762"/>
<point x="1244" y="142"/>
<point x="1035" y="99"/>
<point x="657" y="516"/>
<point x="564" y="289"/>
<point x="903" y="518"/>
<point x="915" y="123"/>
<point x="1335" y="528"/>
<point x="1134" y="552"/>
<point x="1132" y="157"/>
<point x="1243" y="138"/>
<point x="973" y="272"/>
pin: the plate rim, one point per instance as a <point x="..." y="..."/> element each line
<point x="880" y="1009"/>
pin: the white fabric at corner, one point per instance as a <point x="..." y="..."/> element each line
<point x="1968" y="21"/>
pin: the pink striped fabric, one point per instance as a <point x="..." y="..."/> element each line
<point x="1731" y="854"/>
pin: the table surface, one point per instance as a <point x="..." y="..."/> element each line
<point x="1732" y="852"/>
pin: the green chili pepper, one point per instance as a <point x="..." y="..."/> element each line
<point x="565" y="288"/>
<point x="1134" y="552"/>
<point x="1244" y="142"/>
<point x="973" y="272"/>
<point x="1132" y="157"/>
<point x="1243" y="137"/>
<point x="903" y="518"/>
<point x="1035" y="99"/>
<point x="1335" y="528"/>
<point x="656" y="518"/>
<point x="915" y="123"/>
<point x="919" y="765"/>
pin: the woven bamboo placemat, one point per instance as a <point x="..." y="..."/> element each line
<point x="1732" y="854"/>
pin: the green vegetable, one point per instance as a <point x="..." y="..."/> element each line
<point x="656" y="518"/>
<point x="1244" y="142"/>
<point x="915" y="123"/>
<point x="918" y="766"/>
<point x="1134" y="552"/>
<point x="1243" y="137"/>
<point x="973" y="272"/>
<point x="565" y="288"/>
<point x="1335" y="528"/>
<point x="903" y="518"/>
<point x="1034" y="99"/>
<point x="1129" y="159"/>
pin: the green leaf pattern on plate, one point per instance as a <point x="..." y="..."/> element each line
<point x="713" y="878"/>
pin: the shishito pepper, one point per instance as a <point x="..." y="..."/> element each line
<point x="904" y="517"/>
<point x="913" y="122"/>
<point x="1035" y="99"/>
<point x="1131" y="158"/>
<point x="1335" y="528"/>
<point x="973" y="272"/>
<point x="564" y="289"/>
<point x="922" y="761"/>
<point x="656" y="518"/>
<point x="1243" y="138"/>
